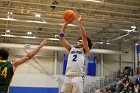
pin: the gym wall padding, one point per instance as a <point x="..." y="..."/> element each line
<point x="15" y="89"/>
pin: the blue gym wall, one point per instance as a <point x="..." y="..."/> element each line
<point x="15" y="89"/>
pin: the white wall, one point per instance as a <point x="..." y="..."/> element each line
<point x="114" y="62"/>
<point x="33" y="80"/>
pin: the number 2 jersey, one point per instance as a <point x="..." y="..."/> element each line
<point x="76" y="62"/>
<point x="6" y="73"/>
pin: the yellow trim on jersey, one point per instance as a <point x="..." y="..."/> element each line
<point x="3" y="60"/>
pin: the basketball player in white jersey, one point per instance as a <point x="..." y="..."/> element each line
<point x="74" y="77"/>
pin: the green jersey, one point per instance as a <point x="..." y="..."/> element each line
<point x="6" y="73"/>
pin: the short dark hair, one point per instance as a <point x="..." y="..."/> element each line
<point x="4" y="54"/>
<point x="89" y="42"/>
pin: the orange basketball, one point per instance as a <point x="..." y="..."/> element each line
<point x="69" y="15"/>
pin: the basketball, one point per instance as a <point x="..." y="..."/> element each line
<point x="69" y="15"/>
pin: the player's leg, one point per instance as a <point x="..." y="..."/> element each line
<point x="67" y="85"/>
<point x="78" y="85"/>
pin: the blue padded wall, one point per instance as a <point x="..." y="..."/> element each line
<point x="16" y="89"/>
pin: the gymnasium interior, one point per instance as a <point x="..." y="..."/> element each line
<point x="112" y="25"/>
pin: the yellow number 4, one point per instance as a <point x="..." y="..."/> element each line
<point x="4" y="72"/>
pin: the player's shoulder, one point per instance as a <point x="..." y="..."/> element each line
<point x="5" y="61"/>
<point x="10" y="62"/>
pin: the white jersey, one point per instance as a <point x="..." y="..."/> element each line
<point x="76" y="62"/>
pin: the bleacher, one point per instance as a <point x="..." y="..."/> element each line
<point x="123" y="82"/>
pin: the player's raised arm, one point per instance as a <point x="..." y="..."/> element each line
<point x="83" y="35"/>
<point x="29" y="55"/>
<point x="69" y="16"/>
<point x="62" y="40"/>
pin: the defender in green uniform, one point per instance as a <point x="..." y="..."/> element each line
<point x="7" y="68"/>
<point x="6" y="73"/>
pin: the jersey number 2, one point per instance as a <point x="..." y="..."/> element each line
<point x="74" y="58"/>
